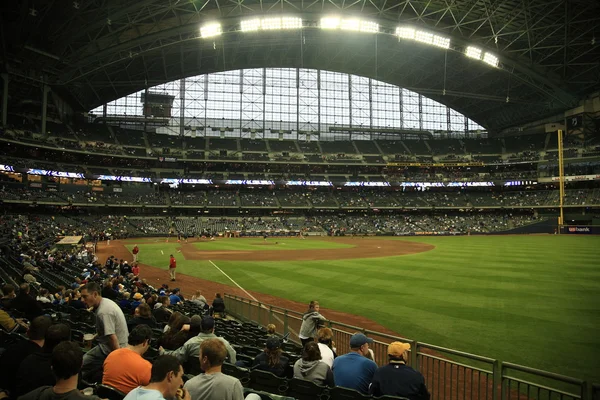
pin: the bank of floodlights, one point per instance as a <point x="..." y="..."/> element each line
<point x="418" y="35"/>
<point x="349" y="24"/>
<point x="210" y="30"/>
<point x="270" y="24"/>
<point x="477" y="54"/>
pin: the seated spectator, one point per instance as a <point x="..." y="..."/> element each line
<point x="166" y="377"/>
<point x="26" y="304"/>
<point x="137" y="300"/>
<point x="14" y="355"/>
<point x="191" y="349"/>
<point x="43" y="297"/>
<point x="311" y="368"/>
<point x="271" y="329"/>
<point x="174" y="297"/>
<point x="8" y="294"/>
<point x="125" y="303"/>
<point x="199" y="299"/>
<point x="10" y="324"/>
<point x="142" y="316"/>
<point x="65" y="363"/>
<point x="125" y="369"/>
<point x="218" y="304"/>
<point x="213" y="384"/>
<point x="271" y="359"/>
<point x="175" y="335"/>
<point x="162" y="312"/>
<point x="75" y="300"/>
<point x="354" y="370"/>
<point x="324" y="338"/>
<point x="38" y="364"/>
<point x="397" y="378"/>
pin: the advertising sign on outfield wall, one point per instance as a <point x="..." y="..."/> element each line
<point x="579" y="230"/>
<point x="575" y="178"/>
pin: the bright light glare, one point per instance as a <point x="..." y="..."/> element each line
<point x="405" y="33"/>
<point x="291" y="23"/>
<point x="210" y="30"/>
<point x="350" y="24"/>
<point x="330" y="22"/>
<point x="369" y="27"/>
<point x="250" y="25"/>
<point x="424" y="37"/>
<point x="473" y="52"/>
<point x="270" y="23"/>
<point x="441" y="41"/>
<point x="490" y="59"/>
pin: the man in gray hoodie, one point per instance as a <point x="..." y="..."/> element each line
<point x="311" y="368"/>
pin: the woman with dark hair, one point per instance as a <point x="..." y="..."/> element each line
<point x="311" y="322"/>
<point x="218" y="305"/>
<point x="272" y="360"/>
<point x="142" y="316"/>
<point x="311" y="368"/>
<point x="175" y="336"/>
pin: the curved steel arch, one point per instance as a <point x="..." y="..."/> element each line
<point x="100" y="52"/>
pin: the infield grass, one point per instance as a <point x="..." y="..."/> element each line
<point x="531" y="300"/>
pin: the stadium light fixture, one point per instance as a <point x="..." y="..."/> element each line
<point x="270" y="24"/>
<point x="210" y="30"/>
<point x="405" y="32"/>
<point x="369" y="27"/>
<point x="473" y="52"/>
<point x="250" y="25"/>
<point x="291" y="23"/>
<point x="350" y="24"/>
<point x="490" y="59"/>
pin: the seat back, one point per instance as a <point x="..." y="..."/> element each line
<point x="341" y="393"/>
<point x="267" y="382"/>
<point x="301" y="389"/>
<point x="242" y="374"/>
<point x="109" y="392"/>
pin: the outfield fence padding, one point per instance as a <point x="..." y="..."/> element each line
<point x="449" y="374"/>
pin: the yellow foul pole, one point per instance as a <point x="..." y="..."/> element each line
<point x="561" y="176"/>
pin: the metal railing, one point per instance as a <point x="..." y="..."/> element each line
<point x="449" y="374"/>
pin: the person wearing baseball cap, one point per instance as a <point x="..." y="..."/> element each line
<point x="354" y="370"/>
<point x="397" y="378"/>
<point x="271" y="359"/>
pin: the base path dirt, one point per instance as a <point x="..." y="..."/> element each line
<point x="361" y="248"/>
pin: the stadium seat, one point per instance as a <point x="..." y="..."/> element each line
<point x="109" y="392"/>
<point x="268" y="382"/>
<point x="243" y="374"/>
<point x="391" y="398"/>
<point x="341" y="393"/>
<point x="251" y="351"/>
<point x="301" y="389"/>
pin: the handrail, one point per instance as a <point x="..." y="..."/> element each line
<point x="546" y="374"/>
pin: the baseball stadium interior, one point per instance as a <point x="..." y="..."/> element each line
<point x="209" y="119"/>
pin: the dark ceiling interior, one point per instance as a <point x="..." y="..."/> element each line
<point x="92" y="52"/>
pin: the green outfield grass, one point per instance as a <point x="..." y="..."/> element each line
<point x="532" y="300"/>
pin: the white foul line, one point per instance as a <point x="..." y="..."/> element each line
<point x="249" y="295"/>
<point x="234" y="282"/>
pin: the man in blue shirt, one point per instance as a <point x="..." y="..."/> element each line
<point x="174" y="297"/>
<point x="354" y="370"/>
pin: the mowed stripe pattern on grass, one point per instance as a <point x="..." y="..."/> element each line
<point x="525" y="299"/>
